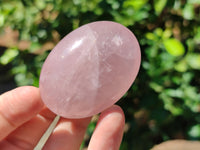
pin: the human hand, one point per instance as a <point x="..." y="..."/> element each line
<point x="24" y="119"/>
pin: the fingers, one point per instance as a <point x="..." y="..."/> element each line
<point x="17" y="107"/>
<point x="109" y="130"/>
<point x="28" y="134"/>
<point x="68" y="134"/>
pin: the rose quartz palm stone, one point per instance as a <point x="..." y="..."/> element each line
<point x="90" y="69"/>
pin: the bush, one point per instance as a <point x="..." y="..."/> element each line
<point x="164" y="101"/>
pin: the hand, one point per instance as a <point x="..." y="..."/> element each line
<point x="24" y="119"/>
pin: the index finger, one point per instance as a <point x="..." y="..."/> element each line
<point x="17" y="107"/>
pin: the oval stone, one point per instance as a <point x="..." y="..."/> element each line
<point x="90" y="69"/>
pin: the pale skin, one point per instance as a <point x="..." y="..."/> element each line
<point x="24" y="119"/>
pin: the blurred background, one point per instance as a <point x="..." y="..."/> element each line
<point x="164" y="101"/>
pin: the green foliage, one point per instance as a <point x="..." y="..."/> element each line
<point x="194" y="131"/>
<point x="159" y="5"/>
<point x="8" y="56"/>
<point x="174" y="47"/>
<point x="164" y="101"/>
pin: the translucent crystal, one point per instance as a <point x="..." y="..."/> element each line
<point x="90" y="69"/>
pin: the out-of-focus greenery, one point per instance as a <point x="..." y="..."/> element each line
<point x="164" y="101"/>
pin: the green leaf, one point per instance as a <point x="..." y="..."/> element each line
<point x="197" y="36"/>
<point x="193" y="60"/>
<point x="150" y="36"/>
<point x="167" y="33"/>
<point x="174" y="93"/>
<point x="156" y="87"/>
<point x="8" y="56"/>
<point x="35" y="46"/>
<point x="136" y="4"/>
<point x="2" y="20"/>
<point x="159" y="5"/>
<point x="195" y="131"/>
<point x="194" y="1"/>
<point x="190" y="44"/>
<point x="188" y="11"/>
<point x="159" y="31"/>
<point x="174" y="47"/>
<point x="181" y="66"/>
<point x="40" y="4"/>
<point x="169" y="104"/>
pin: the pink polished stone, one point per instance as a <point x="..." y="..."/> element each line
<point x="90" y="69"/>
